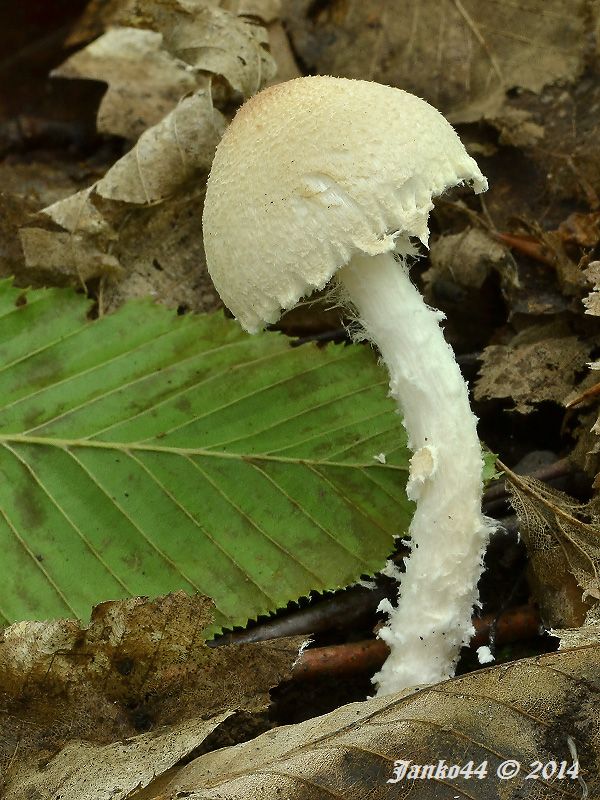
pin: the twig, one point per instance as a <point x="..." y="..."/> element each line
<point x="589" y="394"/>
<point x="551" y="472"/>
<point x="516" y="624"/>
<point x="527" y="246"/>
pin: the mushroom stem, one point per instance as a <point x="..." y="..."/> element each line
<point x="448" y="531"/>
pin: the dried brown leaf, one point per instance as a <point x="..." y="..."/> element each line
<point x="461" y="55"/>
<point x="144" y="81"/>
<point x="140" y="222"/>
<point x="588" y="633"/>
<point x="167" y="54"/>
<point x="167" y="155"/>
<point x="101" y="14"/>
<point x="84" y="771"/>
<point x="562" y="537"/>
<point x="26" y="186"/>
<point x="138" y="665"/>
<point x="105" y="227"/>
<point x="526" y="711"/>
<point x="64" y="255"/>
<point x="592" y="301"/>
<point x="467" y="258"/>
<point x="268" y="11"/>
<point x="538" y="366"/>
<point x="208" y="38"/>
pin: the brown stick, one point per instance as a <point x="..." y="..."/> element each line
<point x="516" y="624"/>
<point x="527" y="246"/>
<point x="550" y="472"/>
<point x="589" y="394"/>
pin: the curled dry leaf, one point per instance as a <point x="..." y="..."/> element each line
<point x="267" y="11"/>
<point x="467" y="258"/>
<point x="562" y="537"/>
<point x="85" y="771"/>
<point x="137" y="665"/>
<point x="539" y="365"/>
<point x="97" y="234"/>
<point x="592" y="301"/>
<point x="81" y="247"/>
<point x="462" y="281"/>
<point x="588" y="633"/>
<point x="462" y="56"/>
<point x="167" y="155"/>
<point x="215" y="41"/>
<point x="174" y="48"/>
<point x="145" y="82"/>
<point x="208" y="38"/>
<point x="101" y="14"/>
<point x="489" y="716"/>
<point x="177" y="42"/>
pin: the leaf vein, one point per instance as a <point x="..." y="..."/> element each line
<point x="68" y="519"/>
<point x="348" y="500"/>
<point x="309" y="516"/>
<point x="129" y="384"/>
<point x="239" y="510"/>
<point x="133" y="523"/>
<point x="35" y="561"/>
<point x="195" y="522"/>
<point x="359" y="442"/>
<point x="241" y="398"/>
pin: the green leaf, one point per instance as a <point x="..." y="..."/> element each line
<point x="145" y="452"/>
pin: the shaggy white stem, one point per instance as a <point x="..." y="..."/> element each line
<point x="448" y="531"/>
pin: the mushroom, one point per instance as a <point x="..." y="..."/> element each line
<point x="321" y="177"/>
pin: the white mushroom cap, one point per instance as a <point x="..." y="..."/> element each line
<point x="314" y="171"/>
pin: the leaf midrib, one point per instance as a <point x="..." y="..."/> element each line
<point x="123" y="447"/>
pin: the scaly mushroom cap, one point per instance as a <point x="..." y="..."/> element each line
<point x="310" y="173"/>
